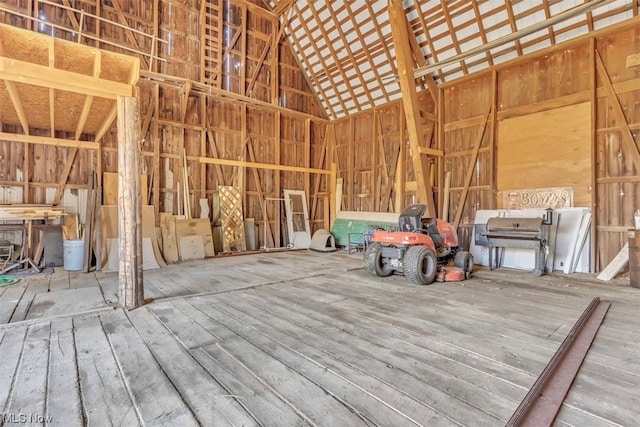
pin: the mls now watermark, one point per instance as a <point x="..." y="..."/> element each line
<point x="20" y="418"/>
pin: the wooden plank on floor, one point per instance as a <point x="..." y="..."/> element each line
<point x="23" y="306"/>
<point x="390" y="360"/>
<point x="82" y="280"/>
<point x="210" y="401"/>
<point x="108" y="283"/>
<point x="63" y="390"/>
<point x="305" y="389"/>
<point x="385" y="379"/>
<point x="258" y="399"/>
<point x="59" y="280"/>
<point x="311" y="402"/>
<point x="66" y="301"/>
<point x="10" y="351"/>
<point x="212" y="326"/>
<point x="29" y="390"/>
<point x="188" y="332"/>
<point x="157" y="400"/>
<point x="9" y="300"/>
<point x="426" y="347"/>
<point x="162" y="280"/>
<point x="105" y="397"/>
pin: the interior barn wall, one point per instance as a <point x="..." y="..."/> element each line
<point x="371" y="149"/>
<point x="566" y="81"/>
<point x="550" y="148"/>
<point x="373" y="157"/>
<point x="174" y="116"/>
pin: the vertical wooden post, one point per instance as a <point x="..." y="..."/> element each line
<point x="277" y="179"/>
<point x="333" y="181"/>
<point x="400" y="35"/>
<point x="593" y="82"/>
<point x="307" y="160"/>
<point x="130" y="291"/>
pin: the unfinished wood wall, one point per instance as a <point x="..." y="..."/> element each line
<point x="216" y="83"/>
<point x="201" y="98"/>
<point x="597" y="154"/>
<point x="557" y="82"/>
<point x="373" y="157"/>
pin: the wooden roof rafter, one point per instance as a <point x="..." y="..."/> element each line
<point x="309" y="66"/>
<point x="336" y="70"/>
<point x="455" y="38"/>
<point x="347" y="46"/>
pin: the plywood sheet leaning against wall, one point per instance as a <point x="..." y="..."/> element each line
<point x="195" y="227"/>
<point x="151" y="250"/>
<point x="547" y="149"/>
<point x="110" y="188"/>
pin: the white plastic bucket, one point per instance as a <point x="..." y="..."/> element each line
<point x="73" y="255"/>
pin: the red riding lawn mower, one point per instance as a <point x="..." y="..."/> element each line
<point x="422" y="249"/>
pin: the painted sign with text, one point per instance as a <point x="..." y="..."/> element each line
<point x="555" y="197"/>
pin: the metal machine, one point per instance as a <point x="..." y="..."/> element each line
<point x="422" y="250"/>
<point x="525" y="233"/>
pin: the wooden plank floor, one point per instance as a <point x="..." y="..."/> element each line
<point x="300" y="338"/>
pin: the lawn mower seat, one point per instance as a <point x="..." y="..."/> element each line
<point x="430" y="227"/>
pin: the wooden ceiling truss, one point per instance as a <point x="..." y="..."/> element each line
<point x="346" y="47"/>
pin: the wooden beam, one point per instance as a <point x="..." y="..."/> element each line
<point x="214" y="152"/>
<point x="243" y="52"/>
<point x="333" y="205"/>
<point x="263" y="56"/>
<point x="410" y="101"/>
<point x="269" y="166"/>
<point x="185" y="90"/>
<point x="71" y="156"/>
<point x="256" y="179"/>
<point x="44" y="140"/>
<point x="72" y="16"/>
<point x="128" y="32"/>
<point x="627" y="136"/>
<point x="471" y="167"/>
<point x="321" y="162"/>
<point x="224" y="94"/>
<point x="84" y="114"/>
<point x="282" y="6"/>
<point x="15" y="99"/>
<point x="578" y="10"/>
<point x="421" y="61"/>
<point x="106" y="125"/>
<point x="17" y="105"/>
<point x="431" y="151"/>
<point x="13" y="70"/>
<point x="130" y="290"/>
<point x="52" y="92"/>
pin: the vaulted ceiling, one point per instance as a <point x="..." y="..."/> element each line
<point x="346" y="47"/>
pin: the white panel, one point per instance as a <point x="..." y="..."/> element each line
<point x="537" y="34"/>
<point x="436" y="31"/>
<point x="458" y="20"/>
<point x="471" y="44"/>
<point x="495" y="19"/>
<point x="323" y="14"/>
<point x="498" y="32"/>
<point x="543" y="44"/>
<point x="568" y="35"/>
<point x="612" y="20"/>
<point x="505" y="56"/>
<point x="377" y="93"/>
